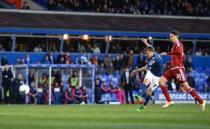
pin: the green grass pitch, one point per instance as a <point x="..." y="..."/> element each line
<point x="179" y="116"/>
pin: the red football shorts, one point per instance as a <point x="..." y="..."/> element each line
<point x="176" y="73"/>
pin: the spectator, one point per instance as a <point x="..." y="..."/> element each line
<point x="95" y="60"/>
<point x="68" y="58"/>
<point x="50" y="58"/>
<point x="189" y="65"/>
<point x="113" y="49"/>
<point x="78" y="95"/>
<point x="32" y="93"/>
<point x="189" y="51"/>
<point x="15" y="96"/>
<point x="82" y="48"/>
<point x="46" y="97"/>
<point x="19" y="61"/>
<point x="40" y="95"/>
<point x="101" y="70"/>
<point x="117" y="63"/>
<point x="57" y="76"/>
<point x="7" y="78"/>
<point x="27" y="59"/>
<point x="96" y="49"/>
<point x="84" y="94"/>
<point x="191" y="80"/>
<point x="121" y="95"/>
<point x="4" y="60"/>
<point x="113" y="89"/>
<point x="44" y="81"/>
<point x="198" y="52"/>
<point x="73" y="80"/>
<point x="62" y="87"/>
<point x="89" y="49"/>
<point x="84" y="59"/>
<point x="69" y="96"/>
<point x="76" y="61"/>
<point x="19" y="81"/>
<point x="31" y="76"/>
<point x="1" y="48"/>
<point x="126" y="83"/>
<point x="61" y="58"/>
<point x="131" y="58"/>
<point x="172" y="7"/>
<point x="107" y="61"/>
<point x="106" y="97"/>
<point x="125" y="59"/>
<point x="38" y="48"/>
<point x="47" y="60"/>
<point x="53" y="47"/>
<point x="97" y="91"/>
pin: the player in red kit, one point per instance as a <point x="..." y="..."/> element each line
<point x="177" y="72"/>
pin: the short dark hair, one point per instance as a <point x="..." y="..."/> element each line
<point x="175" y="32"/>
<point x="149" y="48"/>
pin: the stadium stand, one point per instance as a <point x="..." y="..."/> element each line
<point x="137" y="7"/>
<point x="36" y="37"/>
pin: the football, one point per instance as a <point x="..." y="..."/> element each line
<point x="24" y="89"/>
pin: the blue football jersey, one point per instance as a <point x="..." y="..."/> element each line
<point x="155" y="64"/>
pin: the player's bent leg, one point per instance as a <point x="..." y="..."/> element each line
<point x="146" y="82"/>
<point x="149" y="91"/>
<point x="185" y="86"/>
<point x="195" y="95"/>
<point x="162" y="81"/>
<point x="148" y="95"/>
<point x="164" y="89"/>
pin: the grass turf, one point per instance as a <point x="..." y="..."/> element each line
<point x="178" y="116"/>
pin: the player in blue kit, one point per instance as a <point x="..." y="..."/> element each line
<point x="154" y="68"/>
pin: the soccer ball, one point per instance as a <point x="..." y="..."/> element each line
<point x="24" y="89"/>
<point x="150" y="38"/>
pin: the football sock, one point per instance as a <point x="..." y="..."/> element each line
<point x="147" y="98"/>
<point x="195" y="95"/>
<point x="164" y="89"/>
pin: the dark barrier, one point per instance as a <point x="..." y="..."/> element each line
<point x="103" y="22"/>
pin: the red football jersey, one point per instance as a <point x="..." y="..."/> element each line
<point x="177" y="55"/>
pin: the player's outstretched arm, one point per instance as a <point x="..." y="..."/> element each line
<point x="145" y="41"/>
<point x="134" y="72"/>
